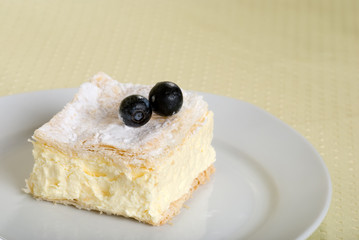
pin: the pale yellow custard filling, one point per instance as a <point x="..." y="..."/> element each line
<point x="140" y="193"/>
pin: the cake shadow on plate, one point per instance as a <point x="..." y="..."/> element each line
<point x="16" y="159"/>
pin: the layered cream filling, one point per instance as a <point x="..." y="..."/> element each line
<point x="141" y="193"/>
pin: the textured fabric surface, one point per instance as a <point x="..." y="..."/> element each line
<point x="297" y="59"/>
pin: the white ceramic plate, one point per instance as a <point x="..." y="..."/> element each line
<point x="270" y="183"/>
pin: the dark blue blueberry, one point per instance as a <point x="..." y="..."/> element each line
<point x="135" y="110"/>
<point x="166" y="98"/>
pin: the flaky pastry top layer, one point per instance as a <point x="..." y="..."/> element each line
<point x="90" y="123"/>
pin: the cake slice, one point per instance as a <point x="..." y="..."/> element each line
<point x="85" y="155"/>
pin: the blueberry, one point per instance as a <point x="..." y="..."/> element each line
<point x="135" y="110"/>
<point x="166" y="98"/>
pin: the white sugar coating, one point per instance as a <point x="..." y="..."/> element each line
<point x="91" y="121"/>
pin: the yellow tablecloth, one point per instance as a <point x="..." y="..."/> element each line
<point x="297" y="59"/>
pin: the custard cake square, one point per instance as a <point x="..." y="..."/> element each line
<point x="85" y="156"/>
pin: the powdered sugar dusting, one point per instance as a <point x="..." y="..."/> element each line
<point x="91" y="120"/>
